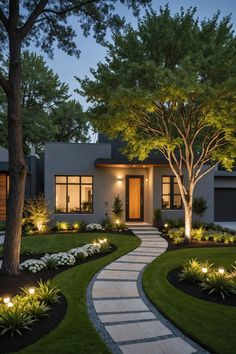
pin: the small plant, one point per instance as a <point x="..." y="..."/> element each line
<point x="63" y="226"/>
<point x="191" y="271"/>
<point x="218" y="283"/>
<point x="59" y="259"/>
<point x="14" y="320"/>
<point x="37" y="213"/>
<point x="36" y="309"/>
<point x="199" y="206"/>
<point x="47" y="292"/>
<point x="157" y="218"/>
<point x="79" y="253"/>
<point x="33" y="265"/>
<point x="93" y="227"/>
<point x="176" y="233"/>
<point x="197" y="234"/>
<point x="117" y="208"/>
<point x="76" y="225"/>
<point x="178" y="240"/>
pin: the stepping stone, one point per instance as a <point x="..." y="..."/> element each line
<point x="149" y="249"/>
<point x="114" y="289"/>
<point x="125" y="317"/>
<point x="125" y="266"/>
<point x="137" y="331"/>
<point x="142" y="259"/>
<point x="120" y="305"/>
<point x="150" y="232"/>
<point x="143" y="253"/>
<point x="150" y="244"/>
<point x="164" y="346"/>
<point x="116" y="274"/>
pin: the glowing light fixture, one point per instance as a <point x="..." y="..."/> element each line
<point x="221" y="270"/>
<point x="31" y="291"/>
<point x="204" y="270"/>
<point x="166" y="225"/>
<point x="146" y="179"/>
<point x="9" y="304"/>
<point x="6" y="300"/>
<point x="119" y="179"/>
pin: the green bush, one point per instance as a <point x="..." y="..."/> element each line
<point x="191" y="271"/>
<point x="218" y="283"/>
<point x="47" y="292"/>
<point x="63" y="226"/>
<point x="36" y="309"/>
<point x="15" y="319"/>
<point x="2" y="225"/>
<point x="199" y="206"/>
<point x="197" y="234"/>
<point x="176" y="233"/>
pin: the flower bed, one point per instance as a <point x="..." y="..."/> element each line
<point x="74" y="255"/>
<point x="205" y="281"/>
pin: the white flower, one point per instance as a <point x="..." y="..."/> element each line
<point x="93" y="226"/>
<point x="33" y="265"/>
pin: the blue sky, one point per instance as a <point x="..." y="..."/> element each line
<point x="91" y="53"/>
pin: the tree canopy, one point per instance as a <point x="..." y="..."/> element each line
<point x="170" y="85"/>
<point x="47" y="115"/>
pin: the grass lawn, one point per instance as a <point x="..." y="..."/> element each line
<point x="210" y="324"/>
<point x="76" y="333"/>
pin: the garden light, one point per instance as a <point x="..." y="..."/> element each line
<point x="117" y="221"/>
<point x="9" y="304"/>
<point x="6" y="300"/>
<point x="221" y="270"/>
<point x="166" y="225"/>
<point x="204" y="270"/>
<point x="39" y="225"/>
<point x="31" y="291"/>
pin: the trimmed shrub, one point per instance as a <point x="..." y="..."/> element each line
<point x="191" y="271"/>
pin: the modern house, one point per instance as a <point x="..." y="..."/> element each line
<point x="80" y="181"/>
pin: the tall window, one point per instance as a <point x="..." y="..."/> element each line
<point x="74" y="194"/>
<point x="171" y="198"/>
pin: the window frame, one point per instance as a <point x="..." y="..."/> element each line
<point x="172" y="194"/>
<point x="80" y="184"/>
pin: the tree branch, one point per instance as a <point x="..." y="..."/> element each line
<point x="3" y="19"/>
<point x="32" y="18"/>
<point x="4" y="83"/>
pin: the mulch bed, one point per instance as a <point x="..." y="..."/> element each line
<point x="39" y="329"/>
<point x="195" y="291"/>
<point x="195" y="244"/>
<point x="11" y="285"/>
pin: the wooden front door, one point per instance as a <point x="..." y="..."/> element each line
<point x="134" y="198"/>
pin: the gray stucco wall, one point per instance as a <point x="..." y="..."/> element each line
<point x="79" y="159"/>
<point x="204" y="188"/>
<point x="3" y="154"/>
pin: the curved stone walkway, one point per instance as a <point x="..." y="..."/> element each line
<point x="123" y="316"/>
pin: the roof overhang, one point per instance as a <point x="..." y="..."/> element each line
<point x="124" y="163"/>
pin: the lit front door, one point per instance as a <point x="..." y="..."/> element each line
<point x="134" y="198"/>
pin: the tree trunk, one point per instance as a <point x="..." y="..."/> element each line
<point x="17" y="166"/>
<point x="188" y="223"/>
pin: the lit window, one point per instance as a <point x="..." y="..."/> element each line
<point x="171" y="198"/>
<point x="74" y="194"/>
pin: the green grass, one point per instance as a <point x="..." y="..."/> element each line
<point x="75" y="334"/>
<point x="210" y="324"/>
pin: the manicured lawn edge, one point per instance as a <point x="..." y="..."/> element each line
<point x="76" y="334"/>
<point x="209" y="324"/>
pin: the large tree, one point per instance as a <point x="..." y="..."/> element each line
<point x="45" y="22"/>
<point x="170" y="85"/>
<point x="41" y="92"/>
<point x="70" y="122"/>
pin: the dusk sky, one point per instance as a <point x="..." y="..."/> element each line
<point x="91" y="53"/>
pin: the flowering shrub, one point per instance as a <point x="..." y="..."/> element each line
<point x="33" y="265"/>
<point x="79" y="253"/>
<point x="60" y="259"/>
<point x="52" y="261"/>
<point x="93" y="227"/>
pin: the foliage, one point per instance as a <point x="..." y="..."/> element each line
<point x="36" y="308"/>
<point x="63" y="226"/>
<point x="33" y="265"/>
<point x="218" y="283"/>
<point x="199" y="206"/>
<point x="14" y="320"/>
<point x="2" y="225"/>
<point x="70" y="122"/>
<point x="157" y="215"/>
<point x="93" y="227"/>
<point x="117" y="208"/>
<point x="37" y="213"/>
<point x="176" y="233"/>
<point x="170" y="85"/>
<point x="197" y="234"/>
<point x="47" y="292"/>
<point x="191" y="271"/>
<point x="41" y="90"/>
<point x="59" y="259"/>
<point x="79" y="253"/>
